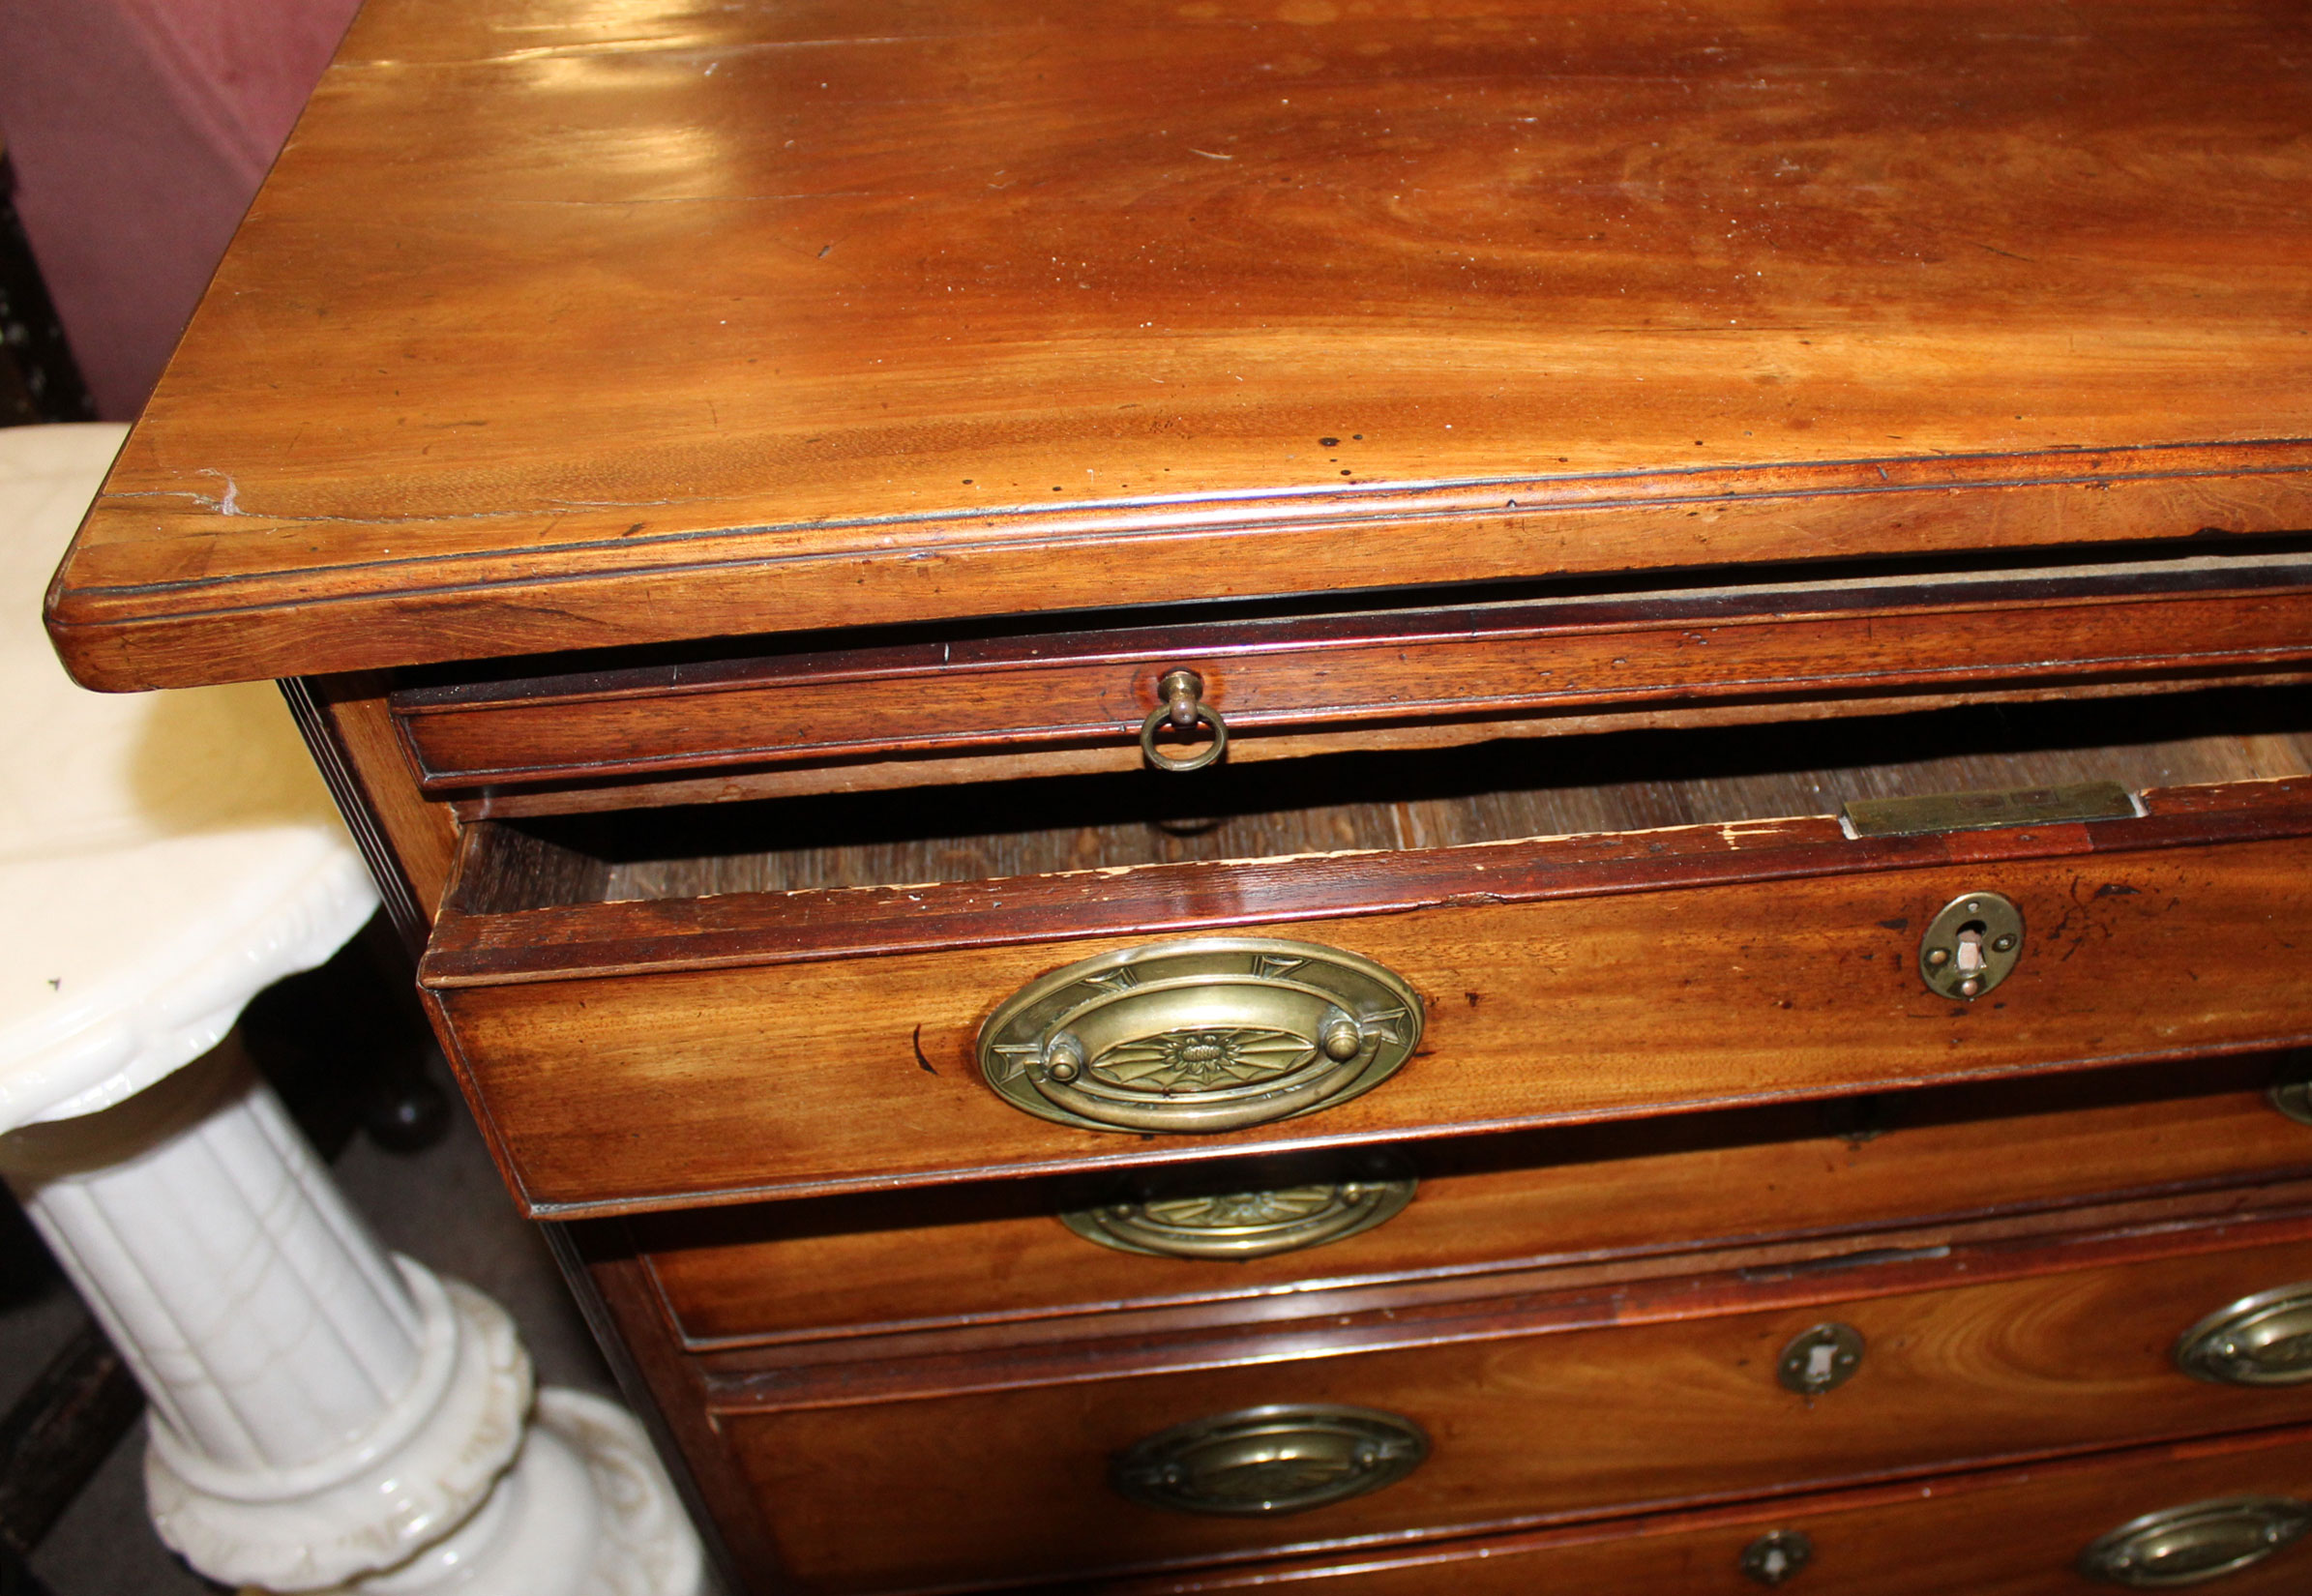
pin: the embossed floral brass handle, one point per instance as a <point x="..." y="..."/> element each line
<point x="2185" y="1546"/>
<point x="2263" y="1340"/>
<point x="1279" y="1205"/>
<point x="1260" y="1461"/>
<point x="1207" y="1034"/>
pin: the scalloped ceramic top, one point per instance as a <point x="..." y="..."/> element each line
<point x="163" y="856"/>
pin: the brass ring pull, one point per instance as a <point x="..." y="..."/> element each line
<point x="1206" y="1034"/>
<point x="1262" y="1461"/>
<point x="2184" y="1546"/>
<point x="1182" y="708"/>
<point x="2263" y="1340"/>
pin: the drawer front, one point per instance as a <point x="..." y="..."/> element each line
<point x="1994" y="1533"/>
<point x="662" y="1053"/>
<point x="1485" y="666"/>
<point x="998" y="1250"/>
<point x="1523" y="1422"/>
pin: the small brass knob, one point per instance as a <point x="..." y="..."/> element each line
<point x="1063" y="1057"/>
<point x="1181" y="688"/>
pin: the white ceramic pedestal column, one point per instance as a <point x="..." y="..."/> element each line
<point x="321" y="1411"/>
<point x="325" y="1416"/>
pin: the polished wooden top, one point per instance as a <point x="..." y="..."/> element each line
<point x="567" y="323"/>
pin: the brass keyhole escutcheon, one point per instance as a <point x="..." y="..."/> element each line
<point x="1970" y="945"/>
<point x="1821" y="1359"/>
<point x="1777" y="1555"/>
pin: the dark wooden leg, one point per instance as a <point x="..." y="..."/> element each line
<point x="57" y="1434"/>
<point x="16" y="1579"/>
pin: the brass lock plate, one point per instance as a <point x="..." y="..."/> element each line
<point x="1989" y="810"/>
<point x="1207" y="1034"/>
<point x="1970" y="945"/>
<point x="1249" y="1211"/>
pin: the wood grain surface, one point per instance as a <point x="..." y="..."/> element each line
<point x="1542" y="661"/>
<point x="1778" y="1176"/>
<point x="752" y="1071"/>
<point x="1991" y="1532"/>
<point x="668" y="1396"/>
<point x="562" y="326"/>
<point x="1565" y="1424"/>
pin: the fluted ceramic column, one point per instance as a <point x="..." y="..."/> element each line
<point x="326" y="1416"/>
<point x="321" y="1411"/>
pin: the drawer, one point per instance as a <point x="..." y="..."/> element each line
<point x="826" y="715"/>
<point x="1793" y="1180"/>
<point x="1548" y="1408"/>
<point x="652" y="1011"/>
<point x="1991" y="1532"/>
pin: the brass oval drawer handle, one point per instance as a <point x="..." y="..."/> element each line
<point x="2293" y="1097"/>
<point x="1213" y="1033"/>
<point x="1216" y="1214"/>
<point x="1285" y="1459"/>
<point x="1182" y="708"/>
<point x="2263" y="1340"/>
<point x="2182" y="1546"/>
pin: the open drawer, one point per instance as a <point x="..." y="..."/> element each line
<point x="839" y="711"/>
<point x="652" y="1008"/>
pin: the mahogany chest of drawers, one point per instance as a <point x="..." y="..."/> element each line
<point x="1353" y="793"/>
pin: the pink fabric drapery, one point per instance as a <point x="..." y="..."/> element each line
<point x="139" y="131"/>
